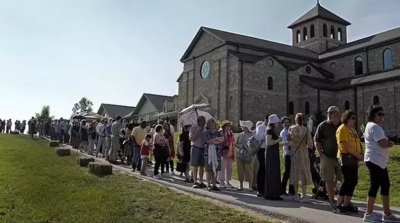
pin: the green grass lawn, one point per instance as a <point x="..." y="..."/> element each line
<point x="38" y="186"/>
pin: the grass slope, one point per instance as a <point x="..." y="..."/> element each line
<point x="38" y="186"/>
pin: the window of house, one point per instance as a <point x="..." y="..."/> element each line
<point x="339" y="34"/>
<point x="291" y="108"/>
<point x="298" y="36"/>
<point x="346" y="105"/>
<point x="307" y="108"/>
<point x="387" y="59"/>
<point x="376" y="100"/>
<point x="305" y="37"/>
<point x="270" y="83"/>
<point x="358" y="66"/>
<point x="324" y="30"/>
<point x="312" y="32"/>
<point x="332" y="32"/>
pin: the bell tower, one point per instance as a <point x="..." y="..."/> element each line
<point x="319" y="30"/>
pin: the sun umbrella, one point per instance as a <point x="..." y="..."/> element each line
<point x="189" y="115"/>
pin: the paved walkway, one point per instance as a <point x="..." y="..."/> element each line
<point x="286" y="210"/>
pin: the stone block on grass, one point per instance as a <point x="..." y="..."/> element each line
<point x="84" y="161"/>
<point x="100" y="169"/>
<point x="54" y="144"/>
<point x="63" y="152"/>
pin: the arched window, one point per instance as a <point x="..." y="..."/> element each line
<point x="376" y="100"/>
<point x="291" y="108"/>
<point x="305" y="37"/>
<point x="324" y="30"/>
<point x="270" y="83"/>
<point x="387" y="59"/>
<point x="347" y="105"/>
<point x="358" y="66"/>
<point x="298" y="36"/>
<point x="257" y="104"/>
<point x="339" y="34"/>
<point x="332" y="32"/>
<point x="307" y="108"/>
<point x="312" y="32"/>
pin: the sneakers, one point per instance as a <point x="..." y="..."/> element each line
<point x="195" y="185"/>
<point x="390" y="218"/>
<point x="372" y="217"/>
<point x="202" y="185"/>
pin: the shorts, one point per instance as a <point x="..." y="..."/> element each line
<point x="330" y="169"/>
<point x="197" y="156"/>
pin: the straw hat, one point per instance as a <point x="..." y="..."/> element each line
<point x="225" y="122"/>
<point x="273" y="119"/>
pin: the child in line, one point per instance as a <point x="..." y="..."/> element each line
<point x="145" y="153"/>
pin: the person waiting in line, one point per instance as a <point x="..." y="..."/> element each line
<point x="212" y="153"/>
<point x="376" y="158"/>
<point x="160" y="152"/>
<point x="228" y="155"/>
<point x="197" y="161"/>
<point x="145" y="149"/>
<point x="272" y="162"/>
<point x="261" y="133"/>
<point x="300" y="141"/>
<point x="168" y="136"/>
<point x="115" y="136"/>
<point x="244" y="159"/>
<point x="287" y="153"/>
<point x="101" y="143"/>
<point x="138" y="134"/>
<point x="325" y="143"/>
<point x="255" y="162"/>
<point x="184" y="151"/>
<point x="350" y="152"/>
<point x="83" y="135"/>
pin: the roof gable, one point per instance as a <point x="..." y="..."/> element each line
<point x="156" y="100"/>
<point x="115" y="110"/>
<point x="318" y="12"/>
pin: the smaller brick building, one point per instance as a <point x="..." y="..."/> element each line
<point x="244" y="78"/>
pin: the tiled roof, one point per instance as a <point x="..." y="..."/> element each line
<point x="318" y="12"/>
<point x="242" y="40"/>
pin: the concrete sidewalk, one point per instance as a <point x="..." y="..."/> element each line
<point x="286" y="210"/>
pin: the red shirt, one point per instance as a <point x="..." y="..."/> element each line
<point x="145" y="149"/>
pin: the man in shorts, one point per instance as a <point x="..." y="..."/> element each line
<point x="325" y="143"/>
<point x="197" y="151"/>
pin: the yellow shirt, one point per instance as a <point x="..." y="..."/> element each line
<point x="139" y="134"/>
<point x="349" y="135"/>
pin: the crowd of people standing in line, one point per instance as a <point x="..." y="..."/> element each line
<point x="5" y="126"/>
<point x="212" y="149"/>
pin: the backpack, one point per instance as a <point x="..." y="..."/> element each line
<point x="253" y="144"/>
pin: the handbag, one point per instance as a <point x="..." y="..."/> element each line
<point x="181" y="167"/>
<point x="348" y="160"/>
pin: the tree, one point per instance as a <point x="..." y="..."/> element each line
<point x="84" y="106"/>
<point x="44" y="115"/>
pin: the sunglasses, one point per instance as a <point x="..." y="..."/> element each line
<point x="381" y="114"/>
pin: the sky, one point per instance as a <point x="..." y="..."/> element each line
<point x="112" y="51"/>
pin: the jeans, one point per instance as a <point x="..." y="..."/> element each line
<point x="136" y="160"/>
<point x="101" y="144"/>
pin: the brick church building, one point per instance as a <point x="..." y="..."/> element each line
<point x="243" y="77"/>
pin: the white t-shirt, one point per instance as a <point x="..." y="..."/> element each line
<point x="373" y="151"/>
